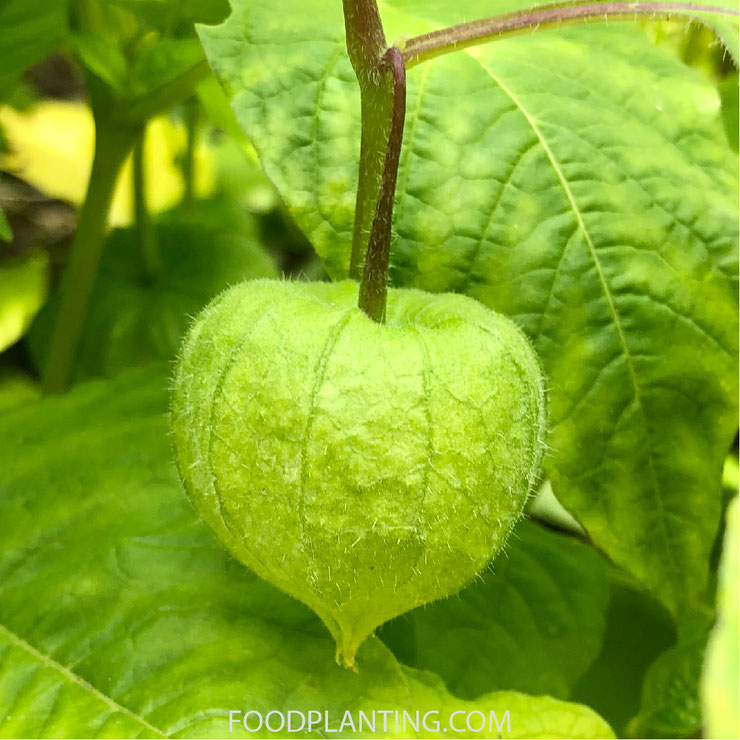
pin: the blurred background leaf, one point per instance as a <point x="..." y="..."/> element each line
<point x="638" y="631"/>
<point x="670" y="704"/>
<point x="30" y="30"/>
<point x="137" y="319"/>
<point x="6" y="233"/>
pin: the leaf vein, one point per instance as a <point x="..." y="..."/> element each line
<point x="72" y="677"/>
<point x="607" y="294"/>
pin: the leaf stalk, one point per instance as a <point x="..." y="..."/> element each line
<point x="446" y="40"/>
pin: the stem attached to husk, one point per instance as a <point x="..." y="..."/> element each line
<point x="381" y="74"/>
<point x="374" y="285"/>
<point x="366" y="46"/>
<point x="382" y="79"/>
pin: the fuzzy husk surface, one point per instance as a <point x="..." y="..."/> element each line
<point x="363" y="468"/>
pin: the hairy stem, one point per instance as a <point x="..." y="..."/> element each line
<point x="451" y="39"/>
<point x="374" y="285"/>
<point x="366" y="46"/>
<point x="375" y="112"/>
<point x="366" y="42"/>
<point x="382" y="77"/>
<point x="148" y="248"/>
<point x="112" y="143"/>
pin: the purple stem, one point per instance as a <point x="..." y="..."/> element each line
<point x="433" y="44"/>
<point x="374" y="285"/>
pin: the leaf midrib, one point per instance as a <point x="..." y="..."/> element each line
<point x="71" y="676"/>
<point x="637" y="396"/>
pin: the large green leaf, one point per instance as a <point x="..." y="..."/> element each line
<point x="134" y="319"/>
<point x="638" y="632"/>
<point x="670" y="704"/>
<point x="29" y="30"/>
<point x="534" y="624"/>
<point x="577" y="180"/>
<point x="121" y="616"/>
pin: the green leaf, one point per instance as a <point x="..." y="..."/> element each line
<point x="723" y="26"/>
<point x="132" y="319"/>
<point x="535" y="624"/>
<point x="428" y="693"/>
<point x="103" y="58"/>
<point x="577" y="180"/>
<point x="670" y="694"/>
<point x="176" y="18"/>
<point x="637" y="632"/>
<point x="144" y="51"/>
<point x="121" y="616"/>
<point x="719" y="691"/>
<point x="726" y="27"/>
<point x="29" y="31"/>
<point x="164" y="61"/>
